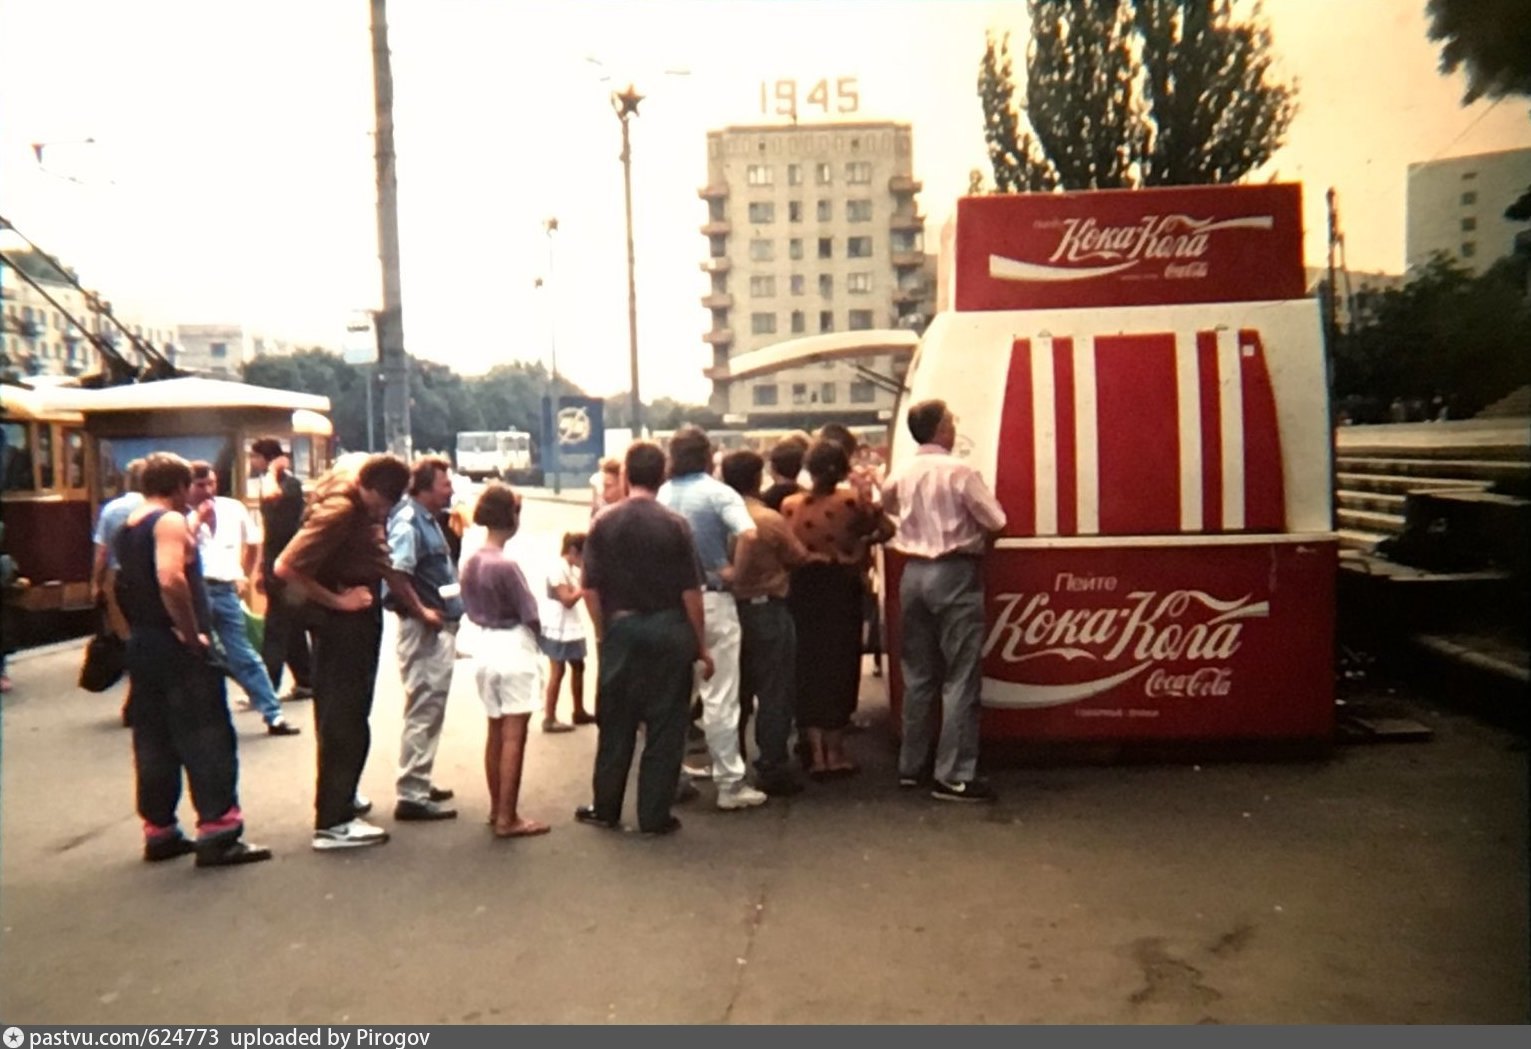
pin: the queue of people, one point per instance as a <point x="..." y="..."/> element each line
<point x="697" y="587"/>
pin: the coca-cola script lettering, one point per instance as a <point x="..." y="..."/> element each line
<point x="1088" y="249"/>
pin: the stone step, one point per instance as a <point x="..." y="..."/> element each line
<point x="1488" y="470"/>
<point x="1370" y="521"/>
<point x="1382" y="502"/>
<point x="1402" y="484"/>
<point x="1468" y="439"/>
<point x="1359" y="539"/>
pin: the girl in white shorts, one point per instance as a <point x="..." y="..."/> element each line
<point x="497" y="600"/>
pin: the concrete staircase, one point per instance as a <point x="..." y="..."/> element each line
<point x="1377" y="467"/>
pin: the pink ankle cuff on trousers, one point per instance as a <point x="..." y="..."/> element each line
<point x="230" y="820"/>
<point x="154" y="833"/>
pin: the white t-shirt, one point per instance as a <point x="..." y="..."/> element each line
<point x="223" y="550"/>
<point x="560" y="623"/>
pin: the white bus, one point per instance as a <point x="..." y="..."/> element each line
<point x="494" y="453"/>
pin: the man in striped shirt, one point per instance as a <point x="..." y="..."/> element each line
<point x="946" y="516"/>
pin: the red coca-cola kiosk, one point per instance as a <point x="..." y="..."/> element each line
<point x="1140" y="378"/>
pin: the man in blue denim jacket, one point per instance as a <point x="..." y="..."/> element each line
<point x="419" y="548"/>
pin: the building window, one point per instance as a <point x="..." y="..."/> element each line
<point x="858" y="172"/>
<point x="794" y="175"/>
<point x="1469" y="198"/>
<point x="218" y="349"/>
<point x="863" y="392"/>
<point x="795" y="248"/>
<point x="826" y="211"/>
<point x="763" y="287"/>
<point x="858" y="283"/>
<point x="758" y="175"/>
<point x="822" y="175"/>
<point x="764" y="395"/>
<point x="827" y="393"/>
<point x="859" y="248"/>
<point x="860" y="320"/>
<point x="800" y="393"/>
<point x="826" y="247"/>
<point x="794" y="211"/>
<point x="763" y="323"/>
<point x="826" y="320"/>
<point x="799" y="322"/>
<point x="1469" y="249"/>
<point x="799" y="284"/>
<point x="858" y="210"/>
<point x="762" y="250"/>
<point x="1469" y="224"/>
<point x="762" y="211"/>
<point x="717" y="247"/>
<point x="826" y="285"/>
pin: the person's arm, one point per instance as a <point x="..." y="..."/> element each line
<point x="319" y="539"/>
<point x="692" y="599"/>
<point x="890" y="497"/>
<point x="980" y="502"/>
<point x="171" y="541"/>
<point x="98" y="574"/>
<point x="402" y="586"/>
<point x="793" y="552"/>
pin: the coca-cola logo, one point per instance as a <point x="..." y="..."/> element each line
<point x="1087" y="249"/>
<point x="1184" y="637"/>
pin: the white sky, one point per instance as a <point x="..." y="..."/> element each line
<point x="232" y="176"/>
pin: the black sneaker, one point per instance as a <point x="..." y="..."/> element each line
<point x="282" y="727"/>
<point x="670" y="827"/>
<point x="407" y="810"/>
<point x="972" y="790"/>
<point x="442" y="794"/>
<point x="158" y="850"/>
<point x="298" y="694"/>
<point x="586" y="814"/>
<point x="225" y="853"/>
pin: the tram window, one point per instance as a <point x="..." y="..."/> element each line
<point x="303" y="456"/>
<point x="74" y="458"/>
<point x="16" y="451"/>
<point x="45" y="456"/>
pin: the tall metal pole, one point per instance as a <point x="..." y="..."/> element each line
<point x="390" y="319"/>
<point x="554" y="440"/>
<point x="626" y="105"/>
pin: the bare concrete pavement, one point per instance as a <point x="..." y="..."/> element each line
<point x="1387" y="884"/>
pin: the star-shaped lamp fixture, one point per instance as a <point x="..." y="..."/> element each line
<point x="626" y="102"/>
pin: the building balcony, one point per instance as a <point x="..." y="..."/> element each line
<point x="717" y="373"/>
<point x="716" y="228"/>
<point x="717" y="191"/>
<point x="721" y="264"/>
<point x="718" y="300"/>
<point x="907" y="221"/>
<point x="719" y="337"/>
<point x="903" y="296"/>
<point x="904" y="259"/>
<point x="904" y="184"/>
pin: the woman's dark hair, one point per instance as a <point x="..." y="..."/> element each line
<point x="742" y="470"/>
<point x="573" y="541"/>
<point x="498" y="507"/>
<point x="925" y="419"/>
<point x="385" y="474"/>
<point x="690" y="451"/>
<point x="787" y="456"/>
<point x="165" y="473"/>
<point x="268" y="448"/>
<point x="841" y="435"/>
<point x="644" y="464"/>
<point x="828" y="465"/>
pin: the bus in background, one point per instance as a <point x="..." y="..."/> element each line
<point x="505" y="454"/>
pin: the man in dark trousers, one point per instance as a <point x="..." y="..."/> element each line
<point x="643" y="588"/>
<point x="281" y="511"/>
<point x="180" y="710"/>
<point x="336" y="563"/>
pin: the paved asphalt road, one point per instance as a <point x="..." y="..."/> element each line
<point x="1386" y="884"/>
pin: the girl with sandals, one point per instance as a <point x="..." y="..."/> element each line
<point x="497" y="600"/>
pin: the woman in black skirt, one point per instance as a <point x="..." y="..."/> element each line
<point x="836" y="523"/>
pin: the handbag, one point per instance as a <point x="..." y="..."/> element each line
<point x="106" y="660"/>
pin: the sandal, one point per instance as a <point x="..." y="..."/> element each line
<point x="550" y="725"/>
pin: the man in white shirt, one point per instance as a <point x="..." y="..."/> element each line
<point x="230" y="547"/>
<point x="946" y="516"/>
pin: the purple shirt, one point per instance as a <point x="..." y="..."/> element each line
<point x="494" y="592"/>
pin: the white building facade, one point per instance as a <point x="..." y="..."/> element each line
<point x="1456" y="206"/>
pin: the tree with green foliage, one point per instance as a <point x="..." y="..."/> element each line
<point x="1126" y="93"/>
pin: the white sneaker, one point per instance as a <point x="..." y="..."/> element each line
<point x="353" y="834"/>
<point x="740" y="796"/>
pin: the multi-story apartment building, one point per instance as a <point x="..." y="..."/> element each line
<point x="217" y="350"/>
<point x="1457" y="206"/>
<point x="37" y="337"/>
<point x="810" y="228"/>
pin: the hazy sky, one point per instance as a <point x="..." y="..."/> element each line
<point x="231" y="177"/>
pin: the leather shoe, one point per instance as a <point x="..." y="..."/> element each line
<point x="586" y="814"/>
<point x="442" y="794"/>
<point x="157" y="850"/>
<point x="670" y="827"/>
<point x="230" y="853"/>
<point x="422" y="810"/>
<point x="582" y="718"/>
<point x="282" y="728"/>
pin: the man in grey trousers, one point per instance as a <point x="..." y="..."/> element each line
<point x="946" y="517"/>
<point x="426" y="650"/>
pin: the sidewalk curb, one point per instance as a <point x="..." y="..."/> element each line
<point x="21" y="655"/>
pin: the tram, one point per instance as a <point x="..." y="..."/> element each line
<point x="65" y="450"/>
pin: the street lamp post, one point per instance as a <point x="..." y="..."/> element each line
<point x="550" y="227"/>
<point x="626" y="106"/>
